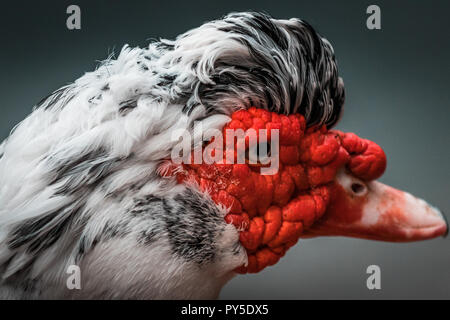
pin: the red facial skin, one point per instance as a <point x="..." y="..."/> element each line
<point x="272" y="211"/>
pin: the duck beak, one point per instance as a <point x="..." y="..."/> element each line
<point x="379" y="212"/>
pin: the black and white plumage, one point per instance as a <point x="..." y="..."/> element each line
<point x="78" y="177"/>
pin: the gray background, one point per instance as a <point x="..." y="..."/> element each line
<point x="397" y="84"/>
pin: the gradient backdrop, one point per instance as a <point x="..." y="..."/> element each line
<point x="397" y="85"/>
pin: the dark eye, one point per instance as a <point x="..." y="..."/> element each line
<point x="358" y="188"/>
<point x="264" y="149"/>
<point x="261" y="151"/>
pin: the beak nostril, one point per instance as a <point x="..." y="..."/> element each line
<point x="357" y="188"/>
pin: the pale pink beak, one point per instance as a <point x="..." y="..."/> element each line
<point x="373" y="210"/>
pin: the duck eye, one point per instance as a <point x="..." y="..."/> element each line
<point x="264" y="149"/>
<point x="259" y="152"/>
